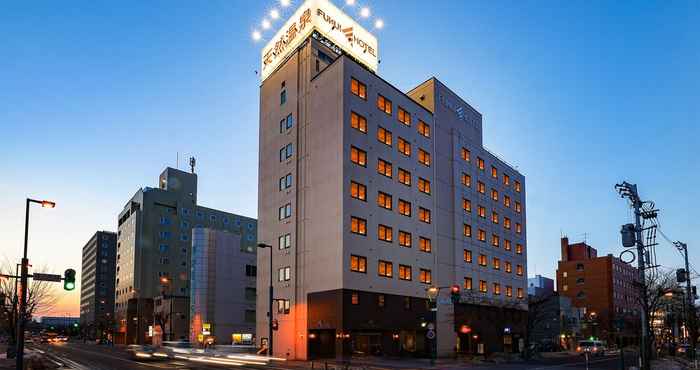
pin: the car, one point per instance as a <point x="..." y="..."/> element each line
<point x="143" y="353"/>
<point x="591" y="347"/>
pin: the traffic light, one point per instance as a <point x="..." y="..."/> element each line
<point x="454" y="294"/>
<point x="69" y="279"/>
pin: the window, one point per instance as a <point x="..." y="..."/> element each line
<point x="509" y="291"/>
<point x="358" y="225"/>
<point x="466" y="205"/>
<point x="385" y="233"/>
<point x="358" y="263"/>
<point x="519" y="248"/>
<point x="358" y="191"/>
<point x="405" y="239"/>
<point x="284" y="273"/>
<point x="496" y="263"/>
<point x="425" y="244"/>
<point x="483" y="287"/>
<point x="384" y="104"/>
<point x="355" y="298"/>
<point x="385" y="269"/>
<point x="507" y="245"/>
<point x="384" y="167"/>
<point x="249" y="316"/>
<point x="358" y="122"/>
<point x="506" y="222"/>
<point x="404" y="208"/>
<point x="518" y="208"/>
<point x="283" y="306"/>
<point x="580" y="281"/>
<point x="404" y="177"/>
<point x="509" y="267"/>
<point x="495" y="240"/>
<point x="494" y="195"/>
<point x="424" y="215"/>
<point x="285" y="211"/>
<point x="481" y="211"/>
<point x="423" y="185"/>
<point x="358" y="156"/>
<point x="283" y="97"/>
<point x="506" y="179"/>
<point x="467" y="256"/>
<point x="358" y="88"/>
<point x="404" y="147"/>
<point x="164" y="248"/>
<point x="423" y="128"/>
<point x="494" y="217"/>
<point x="494" y="172"/>
<point x="384" y="200"/>
<point x="380" y="300"/>
<point x="482" y="260"/>
<point x="579" y="267"/>
<point x="286" y="152"/>
<point x="285" y="183"/>
<point x="506" y="201"/>
<point x="284" y="241"/>
<point x="482" y="235"/>
<point x="164" y="235"/>
<point x="467" y="231"/>
<point x="384" y="135"/>
<point x="517" y="186"/>
<point x="286" y="123"/>
<point x="480" y="163"/>
<point x="519" y="270"/>
<point x="425" y="276"/>
<point x="466" y="155"/>
<point x="423" y="157"/>
<point x="404" y="117"/>
<point x="496" y="288"/>
<point x="520" y="293"/>
<point x="467" y="283"/>
<point x="481" y="187"/>
<point x="518" y="228"/>
<point x="404" y="272"/>
<point x="466" y="180"/>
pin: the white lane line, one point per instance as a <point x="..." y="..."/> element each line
<point x="573" y="364"/>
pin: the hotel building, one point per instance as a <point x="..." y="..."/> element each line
<point x="97" y="285"/>
<point x="369" y="196"/>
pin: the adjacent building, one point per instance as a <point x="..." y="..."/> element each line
<point x="154" y="250"/>
<point x="554" y="324"/>
<point x="369" y="196"/>
<point x="97" y="285"/>
<point x="604" y="287"/>
<point x="223" y="289"/>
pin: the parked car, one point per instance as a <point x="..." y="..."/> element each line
<point x="592" y="347"/>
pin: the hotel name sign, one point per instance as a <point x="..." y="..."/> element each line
<point x="332" y="23"/>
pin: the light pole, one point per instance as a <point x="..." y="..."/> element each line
<point x="166" y="283"/>
<point x="270" y="301"/>
<point x="23" y="283"/>
<point x="433" y="292"/>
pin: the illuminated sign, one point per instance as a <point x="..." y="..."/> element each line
<point x="206" y="328"/>
<point x="332" y="23"/>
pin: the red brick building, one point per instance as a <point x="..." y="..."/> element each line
<point x="604" y="287"/>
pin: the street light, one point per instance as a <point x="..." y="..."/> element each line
<point x="270" y="301"/>
<point x="165" y="282"/>
<point x="24" y="278"/>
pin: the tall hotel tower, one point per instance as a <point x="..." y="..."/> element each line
<point x="370" y="196"/>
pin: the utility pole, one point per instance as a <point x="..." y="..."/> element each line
<point x="689" y="301"/>
<point x="627" y="190"/>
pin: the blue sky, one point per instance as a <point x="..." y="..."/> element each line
<point x="96" y="98"/>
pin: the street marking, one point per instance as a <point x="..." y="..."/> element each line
<point x="574" y="364"/>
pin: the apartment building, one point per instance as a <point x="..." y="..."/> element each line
<point x="154" y="250"/>
<point x="604" y="288"/>
<point x="97" y="285"/>
<point x="370" y="196"/>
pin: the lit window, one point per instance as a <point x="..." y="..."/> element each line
<point x="384" y="167"/>
<point x="358" y="88"/>
<point x="518" y="207"/>
<point x="358" y="263"/>
<point x="404" y="147"/>
<point x="519" y="248"/>
<point x="509" y="291"/>
<point x="482" y="260"/>
<point x="494" y="217"/>
<point x="404" y="177"/>
<point x="385" y="233"/>
<point x="358" y="191"/>
<point x="467" y="231"/>
<point x="509" y="267"/>
<point x="481" y="187"/>
<point x="424" y="215"/>
<point x="506" y="223"/>
<point x="496" y="262"/>
<point x="480" y="163"/>
<point x="384" y="200"/>
<point x="380" y="300"/>
<point x="494" y="194"/>
<point x="520" y="293"/>
<point x="405" y="239"/>
<point x="506" y="201"/>
<point x="286" y="152"/>
<point x="384" y="136"/>
<point x="404" y="117"/>
<point x="496" y="288"/>
<point x="466" y="180"/>
<point x="425" y="276"/>
<point x="517" y="186"/>
<point x="468" y="283"/>
<point x="358" y="156"/>
<point x="483" y="287"/>
<point x="404" y="272"/>
<point x="423" y="185"/>
<point x="423" y="128"/>
<point x="404" y="208"/>
<point x="466" y="205"/>
<point x="425" y="244"/>
<point x="385" y="269"/>
<point x="481" y="211"/>
<point x="482" y="235"/>
<point x="518" y="228"/>
<point x="506" y="180"/>
<point x="358" y="122"/>
<point x="467" y="256"/>
<point x="355" y="298"/>
<point x="466" y="155"/>
<point x="494" y="172"/>
<point x="358" y="225"/>
<point x="519" y="270"/>
<point x="423" y="157"/>
<point x="384" y="104"/>
<point x="495" y="240"/>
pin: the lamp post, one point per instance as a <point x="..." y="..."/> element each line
<point x="166" y="283"/>
<point x="270" y="301"/>
<point x="23" y="298"/>
<point x="433" y="292"/>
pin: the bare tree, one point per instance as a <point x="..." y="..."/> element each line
<point x="658" y="283"/>
<point x="536" y="313"/>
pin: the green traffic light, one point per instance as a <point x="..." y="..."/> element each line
<point x="69" y="279"/>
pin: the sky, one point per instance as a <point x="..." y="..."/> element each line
<point x="96" y="98"/>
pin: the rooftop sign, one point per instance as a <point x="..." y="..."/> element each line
<point x="332" y="23"/>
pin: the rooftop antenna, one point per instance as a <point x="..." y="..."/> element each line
<point x="192" y="164"/>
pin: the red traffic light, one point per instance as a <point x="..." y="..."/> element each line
<point x="455" y="289"/>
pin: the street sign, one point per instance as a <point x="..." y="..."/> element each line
<point x="46" y="277"/>
<point x="430" y="335"/>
